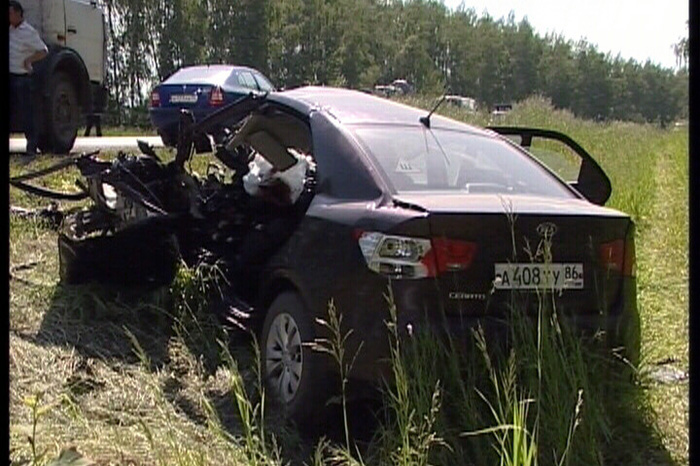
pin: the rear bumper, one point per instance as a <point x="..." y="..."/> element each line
<point x="167" y="119"/>
<point x="418" y="310"/>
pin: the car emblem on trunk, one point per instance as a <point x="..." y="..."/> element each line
<point x="546" y="230"/>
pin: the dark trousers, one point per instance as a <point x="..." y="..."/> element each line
<point x="21" y="96"/>
<point x="93" y="119"/>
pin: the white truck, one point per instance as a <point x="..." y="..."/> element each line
<point x="70" y="82"/>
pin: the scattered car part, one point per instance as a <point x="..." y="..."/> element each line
<point x="49" y="214"/>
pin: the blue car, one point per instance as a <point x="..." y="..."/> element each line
<point x="202" y="90"/>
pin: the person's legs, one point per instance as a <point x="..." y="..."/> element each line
<point x="27" y="100"/>
<point x="88" y="125"/>
<point x="21" y="107"/>
<point x="98" y="124"/>
<point x="16" y="107"/>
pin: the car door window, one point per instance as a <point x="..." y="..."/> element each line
<point x="246" y="79"/>
<point x="263" y="83"/>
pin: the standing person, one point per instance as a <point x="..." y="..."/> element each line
<point x="26" y="48"/>
<point x="94" y="119"/>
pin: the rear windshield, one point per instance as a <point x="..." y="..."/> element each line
<point x="418" y="159"/>
<point x="200" y="74"/>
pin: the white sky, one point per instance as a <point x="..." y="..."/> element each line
<point x="637" y="29"/>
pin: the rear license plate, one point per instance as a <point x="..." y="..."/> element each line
<point x="183" y="98"/>
<point x="538" y="276"/>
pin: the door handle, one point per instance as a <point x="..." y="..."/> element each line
<point x="72" y="30"/>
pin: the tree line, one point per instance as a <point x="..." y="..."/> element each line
<point x="360" y="43"/>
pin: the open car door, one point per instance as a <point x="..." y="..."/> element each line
<point x="565" y="157"/>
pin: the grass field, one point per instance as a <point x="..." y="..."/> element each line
<point x="133" y="379"/>
<point x="110" y="131"/>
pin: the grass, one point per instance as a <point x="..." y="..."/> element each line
<point x="110" y="131"/>
<point x="143" y="378"/>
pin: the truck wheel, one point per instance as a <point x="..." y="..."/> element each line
<point x="44" y="143"/>
<point x="63" y="114"/>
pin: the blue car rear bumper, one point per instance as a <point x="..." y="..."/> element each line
<point x="166" y="120"/>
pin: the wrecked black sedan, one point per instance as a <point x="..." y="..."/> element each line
<point x="330" y="194"/>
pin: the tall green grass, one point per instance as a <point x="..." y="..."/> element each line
<point x="544" y="399"/>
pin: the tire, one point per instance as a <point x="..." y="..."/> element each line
<point x="44" y="143"/>
<point x="62" y="116"/>
<point x="293" y="372"/>
<point x="143" y="255"/>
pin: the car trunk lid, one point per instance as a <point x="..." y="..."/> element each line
<point x="184" y="95"/>
<point x="522" y="244"/>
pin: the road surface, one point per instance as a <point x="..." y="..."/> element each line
<point x="93" y="143"/>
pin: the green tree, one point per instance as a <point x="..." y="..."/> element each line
<point x="556" y="70"/>
<point x="360" y="43"/>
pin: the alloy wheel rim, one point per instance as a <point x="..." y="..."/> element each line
<point x="283" y="356"/>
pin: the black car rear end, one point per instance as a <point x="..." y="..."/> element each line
<point x="454" y="271"/>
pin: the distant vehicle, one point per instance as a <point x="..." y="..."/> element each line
<point x="397" y="87"/>
<point x="403" y="86"/>
<point x="467" y="103"/>
<point x="384" y="90"/>
<point x="70" y="81"/>
<point x="202" y="90"/>
<point x="501" y="109"/>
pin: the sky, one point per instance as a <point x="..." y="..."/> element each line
<point x="637" y="29"/>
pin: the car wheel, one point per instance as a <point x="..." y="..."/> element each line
<point x="63" y="114"/>
<point x="293" y="371"/>
<point x="143" y="255"/>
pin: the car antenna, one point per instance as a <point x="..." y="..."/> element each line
<point x="426" y="119"/>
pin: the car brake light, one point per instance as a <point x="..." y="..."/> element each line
<point x="216" y="96"/>
<point x="453" y="255"/>
<point x="155" y="99"/>
<point x="408" y="257"/>
<point x="619" y="256"/>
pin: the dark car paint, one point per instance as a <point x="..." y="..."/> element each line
<point x="322" y="261"/>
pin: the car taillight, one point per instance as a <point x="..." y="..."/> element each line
<point x="408" y="257"/>
<point x="453" y="255"/>
<point x="155" y="99"/>
<point x="216" y="96"/>
<point x="619" y="256"/>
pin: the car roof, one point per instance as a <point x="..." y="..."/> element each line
<point x="355" y="107"/>
<point x="217" y="66"/>
<point x="204" y="73"/>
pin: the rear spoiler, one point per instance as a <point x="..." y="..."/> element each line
<point x="592" y="181"/>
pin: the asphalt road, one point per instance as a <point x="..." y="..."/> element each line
<point x="94" y="143"/>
